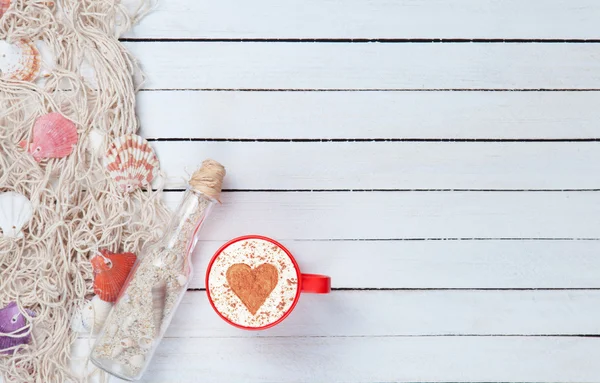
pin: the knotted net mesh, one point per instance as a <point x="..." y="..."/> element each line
<point x="87" y="76"/>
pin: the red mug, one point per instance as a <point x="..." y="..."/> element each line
<point x="254" y="282"/>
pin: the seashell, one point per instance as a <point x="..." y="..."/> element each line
<point x="54" y="136"/>
<point x="127" y="342"/>
<point x="4" y="5"/>
<point x="13" y="322"/>
<point x="93" y="312"/>
<point x="131" y="162"/>
<point x="83" y="318"/>
<point x="145" y="342"/>
<point x="181" y="280"/>
<point x="118" y="350"/>
<point x="110" y="273"/>
<point x="96" y="141"/>
<point x="159" y="299"/>
<point x="19" y="61"/>
<point x="101" y="311"/>
<point x="137" y="361"/>
<point x="15" y="212"/>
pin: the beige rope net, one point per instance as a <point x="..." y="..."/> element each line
<point x="76" y="208"/>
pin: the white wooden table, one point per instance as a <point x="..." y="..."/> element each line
<point x="438" y="158"/>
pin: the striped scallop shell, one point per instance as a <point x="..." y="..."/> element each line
<point x="131" y="162"/>
<point x="4" y="5"/>
<point x="19" y="61"/>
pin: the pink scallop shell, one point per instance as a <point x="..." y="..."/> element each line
<point x="4" y="5"/>
<point x="54" y="136"/>
<point x="131" y="162"/>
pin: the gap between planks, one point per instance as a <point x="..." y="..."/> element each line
<point x="359" y="40"/>
<point x="375" y="90"/>
<point x="330" y="140"/>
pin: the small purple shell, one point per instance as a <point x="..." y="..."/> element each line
<point x="14" y="323"/>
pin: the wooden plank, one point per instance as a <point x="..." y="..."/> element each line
<point x="239" y="65"/>
<point x="314" y="115"/>
<point x="404" y="215"/>
<point x="436" y="264"/>
<point x="381" y="359"/>
<point x="409" y="313"/>
<point x="372" y="19"/>
<point x="389" y="165"/>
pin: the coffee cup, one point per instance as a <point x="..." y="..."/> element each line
<point x="254" y="282"/>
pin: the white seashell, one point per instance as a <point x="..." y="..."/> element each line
<point x="137" y="361"/>
<point x="131" y="162"/>
<point x="117" y="351"/>
<point x="15" y="212"/>
<point x="159" y="299"/>
<point x="127" y="342"/>
<point x="101" y="311"/>
<point x="83" y="318"/>
<point x="96" y="141"/>
<point x="145" y="342"/>
<point x="94" y="311"/>
<point x="19" y="61"/>
<point x="181" y="280"/>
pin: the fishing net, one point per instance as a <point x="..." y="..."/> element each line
<point x="86" y="75"/>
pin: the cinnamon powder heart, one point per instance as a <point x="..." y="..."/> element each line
<point x="252" y="286"/>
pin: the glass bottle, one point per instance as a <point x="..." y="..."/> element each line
<point x="156" y="284"/>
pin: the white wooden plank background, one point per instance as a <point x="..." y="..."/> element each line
<point x="375" y="359"/>
<point x="284" y="65"/>
<point x="402" y="215"/>
<point x="450" y="189"/>
<point x="367" y="115"/>
<point x="391" y="165"/>
<point x="374" y="19"/>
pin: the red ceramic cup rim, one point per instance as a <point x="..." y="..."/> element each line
<point x="243" y="238"/>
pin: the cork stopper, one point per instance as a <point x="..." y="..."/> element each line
<point x="209" y="179"/>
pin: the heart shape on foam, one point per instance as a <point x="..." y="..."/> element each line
<point x="252" y="286"/>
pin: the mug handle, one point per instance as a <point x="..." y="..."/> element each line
<point x="316" y="284"/>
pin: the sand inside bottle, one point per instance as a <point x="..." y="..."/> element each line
<point x="143" y="312"/>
